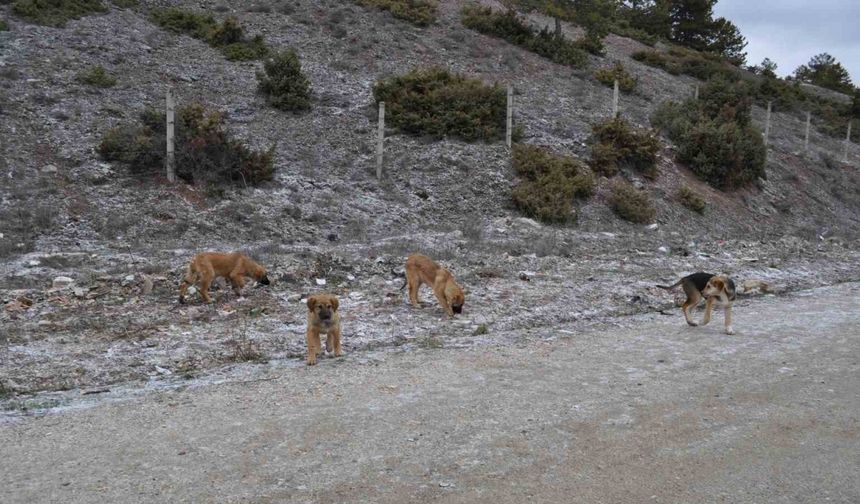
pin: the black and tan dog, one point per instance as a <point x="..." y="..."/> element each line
<point x="711" y="287"/>
<point x="234" y="266"/>
<point x="420" y="269"/>
<point x="323" y="318"/>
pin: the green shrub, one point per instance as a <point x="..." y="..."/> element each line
<point x="283" y="83"/>
<point x="125" y="4"/>
<point x="630" y="203"/>
<point x="608" y="75"/>
<point x="204" y="152"/>
<point x="508" y="26"/>
<point x="229" y="37"/>
<point x="714" y="135"/>
<point x="435" y="102"/>
<point x="3" y="25"/>
<point x="691" y="200"/>
<point x="680" y="60"/>
<point x="549" y="183"/>
<point x="617" y="144"/>
<point x="97" y="76"/>
<point x="623" y="28"/>
<point x="55" y="12"/>
<point x="417" y="12"/>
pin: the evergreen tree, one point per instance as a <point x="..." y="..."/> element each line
<point x="823" y="70"/>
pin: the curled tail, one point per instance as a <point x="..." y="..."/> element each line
<point x="670" y="287"/>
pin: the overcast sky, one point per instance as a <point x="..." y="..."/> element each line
<point x="791" y="31"/>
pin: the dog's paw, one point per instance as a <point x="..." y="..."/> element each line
<point x="312" y="361"/>
<point x="692" y="323"/>
<point x="730" y="331"/>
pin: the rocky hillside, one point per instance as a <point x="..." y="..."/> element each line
<point x="123" y="239"/>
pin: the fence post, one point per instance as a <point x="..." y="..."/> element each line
<point x="847" y="142"/>
<point x="510" y="117"/>
<point x="615" y="99"/>
<point x="380" y="140"/>
<point x="806" y="136"/>
<point x="169" y="159"/>
<point x="767" y="124"/>
<point x="696" y="92"/>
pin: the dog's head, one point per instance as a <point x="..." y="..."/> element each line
<point x="456" y="297"/>
<point x="323" y="306"/>
<point x="259" y="274"/>
<point x="721" y="287"/>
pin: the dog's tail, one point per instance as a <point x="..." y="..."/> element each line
<point x="404" y="284"/>
<point x="670" y="287"/>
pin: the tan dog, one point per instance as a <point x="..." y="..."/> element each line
<point x="713" y="288"/>
<point x="205" y="267"/>
<point x="323" y="318"/>
<point x="421" y="269"/>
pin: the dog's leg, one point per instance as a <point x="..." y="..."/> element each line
<point x="335" y="336"/>
<point x="414" y="282"/>
<point x="440" y="295"/>
<point x="693" y="299"/>
<point x="709" y="306"/>
<point x="238" y="281"/>
<point x="729" y="329"/>
<point x="329" y="341"/>
<point x="313" y="338"/>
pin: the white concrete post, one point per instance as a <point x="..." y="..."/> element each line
<point x="696" y="92"/>
<point x="380" y="140"/>
<point x="767" y="124"/>
<point x="169" y="159"/>
<point x="847" y="142"/>
<point x="615" y="99"/>
<point x="806" y="136"/>
<point x="510" y="117"/>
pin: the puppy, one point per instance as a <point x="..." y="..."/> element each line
<point x="323" y="318"/>
<point x="420" y="269"/>
<point x="205" y="267"/>
<point x="712" y="288"/>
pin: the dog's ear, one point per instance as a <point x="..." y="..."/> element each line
<point x="312" y="303"/>
<point x="719" y="284"/>
<point x="334" y="303"/>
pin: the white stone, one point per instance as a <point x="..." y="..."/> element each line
<point x="321" y="281"/>
<point x="62" y="282"/>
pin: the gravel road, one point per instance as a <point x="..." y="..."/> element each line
<point x="643" y="410"/>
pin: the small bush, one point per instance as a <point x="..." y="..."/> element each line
<point x="55" y="12"/>
<point x="229" y="37"/>
<point x="3" y="25"/>
<point x="97" y="76"/>
<point x="508" y="26"/>
<point x="685" y="61"/>
<point x="549" y="183"/>
<point x="617" y="144"/>
<point x="204" y="152"/>
<point x="691" y="200"/>
<point x="630" y="203"/>
<point x="435" y="102"/>
<point x="417" y="12"/>
<point x="714" y="134"/>
<point x="608" y="76"/>
<point x="125" y="4"/>
<point x="283" y="83"/>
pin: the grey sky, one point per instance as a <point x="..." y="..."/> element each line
<point x="792" y="31"/>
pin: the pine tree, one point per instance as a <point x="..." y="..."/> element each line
<point x="823" y="70"/>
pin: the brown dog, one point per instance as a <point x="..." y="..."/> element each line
<point x="205" y="267"/>
<point x="323" y="318"/>
<point x="713" y="288"/>
<point x="421" y="269"/>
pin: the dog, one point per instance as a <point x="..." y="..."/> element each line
<point x="234" y="267"/>
<point x="420" y="269"/>
<point x="323" y="318"/>
<point x="711" y="287"/>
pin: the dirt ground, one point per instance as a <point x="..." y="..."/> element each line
<point x="642" y="410"/>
